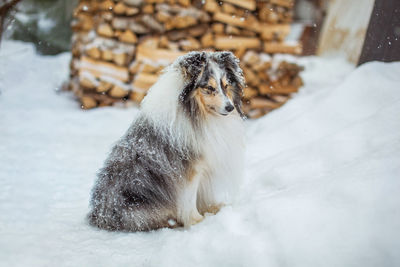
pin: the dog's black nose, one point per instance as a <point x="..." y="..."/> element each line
<point x="229" y="108"/>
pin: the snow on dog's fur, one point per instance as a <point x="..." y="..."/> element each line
<point x="182" y="156"/>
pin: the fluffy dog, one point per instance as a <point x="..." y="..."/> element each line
<point x="182" y="156"/>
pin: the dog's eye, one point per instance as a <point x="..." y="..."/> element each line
<point x="210" y="89"/>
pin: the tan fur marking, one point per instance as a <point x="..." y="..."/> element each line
<point x="201" y="102"/>
<point x="191" y="173"/>
<point x="227" y="88"/>
<point x="212" y="82"/>
<point x="224" y="83"/>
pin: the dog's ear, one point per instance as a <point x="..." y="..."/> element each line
<point x="230" y="63"/>
<point x="192" y="66"/>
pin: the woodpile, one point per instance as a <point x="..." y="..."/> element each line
<point x="120" y="46"/>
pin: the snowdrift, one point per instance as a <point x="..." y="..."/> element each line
<point x="321" y="180"/>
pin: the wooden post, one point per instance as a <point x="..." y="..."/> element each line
<point x="5" y="7"/>
<point x="382" y="41"/>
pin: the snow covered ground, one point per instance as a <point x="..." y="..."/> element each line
<point x="322" y="182"/>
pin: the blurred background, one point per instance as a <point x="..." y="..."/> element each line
<point x="119" y="47"/>
<point x="45" y="23"/>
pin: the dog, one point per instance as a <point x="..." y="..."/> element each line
<point x="182" y="157"/>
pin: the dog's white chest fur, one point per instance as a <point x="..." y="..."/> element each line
<point x="223" y="155"/>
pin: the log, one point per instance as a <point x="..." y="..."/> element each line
<point x="163" y="42"/>
<point x="263" y="103"/>
<point x="93" y="52"/>
<point x="267" y="14"/>
<point x="156" y="55"/>
<point x="83" y="22"/>
<point x="256" y="113"/>
<point x="180" y="22"/>
<point x="150" y="1"/>
<point x="87" y="83"/>
<point x="137" y="96"/>
<point x="228" y="8"/>
<point x="280" y="98"/>
<point x="103" y="87"/>
<point x="106" y="5"/>
<point x="163" y="16"/>
<point x="218" y="28"/>
<point x="88" y="102"/>
<point x="246" y="4"/>
<point x="198" y="30"/>
<point x="240" y="52"/>
<point x="128" y="37"/>
<point x="185" y="3"/>
<point x="149" y="68"/>
<point x="106" y="30"/>
<point x="251" y="58"/>
<point x="275" y="32"/>
<point x="135" y="67"/>
<point x="135" y="26"/>
<point x="189" y="44"/>
<point x="211" y="6"/>
<point x="251" y="78"/>
<point x="150" y="42"/>
<point x="85" y="7"/>
<point x="99" y="69"/>
<point x="152" y="23"/>
<point x="284" y="3"/>
<point x="143" y="81"/>
<point x="120" y="8"/>
<point x="276" y="88"/>
<point x="284" y="48"/>
<point x="261" y="66"/>
<point x="226" y="42"/>
<point x="207" y="40"/>
<point x="130" y="11"/>
<point x="231" y="30"/>
<point x="107" y="16"/>
<point x="148" y="9"/>
<point x="249" y="92"/>
<point x="107" y="55"/>
<point x="120" y="59"/>
<point x="118" y="92"/>
<point x="249" y="23"/>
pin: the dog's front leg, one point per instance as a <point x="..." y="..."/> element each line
<point x="187" y="206"/>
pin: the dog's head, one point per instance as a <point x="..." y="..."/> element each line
<point x="213" y="83"/>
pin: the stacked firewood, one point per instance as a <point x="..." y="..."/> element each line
<point x="121" y="46"/>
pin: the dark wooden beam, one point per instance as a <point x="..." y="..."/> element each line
<point x="382" y="41"/>
<point x="5" y="7"/>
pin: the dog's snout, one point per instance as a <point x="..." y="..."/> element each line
<point x="229" y="108"/>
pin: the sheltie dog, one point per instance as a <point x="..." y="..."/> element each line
<point x="183" y="155"/>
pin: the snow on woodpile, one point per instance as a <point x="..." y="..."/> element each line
<point x="132" y="41"/>
<point x="321" y="179"/>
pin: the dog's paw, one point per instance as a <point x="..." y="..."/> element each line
<point x="195" y="217"/>
<point x="214" y="209"/>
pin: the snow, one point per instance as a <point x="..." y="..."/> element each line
<point x="321" y="175"/>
